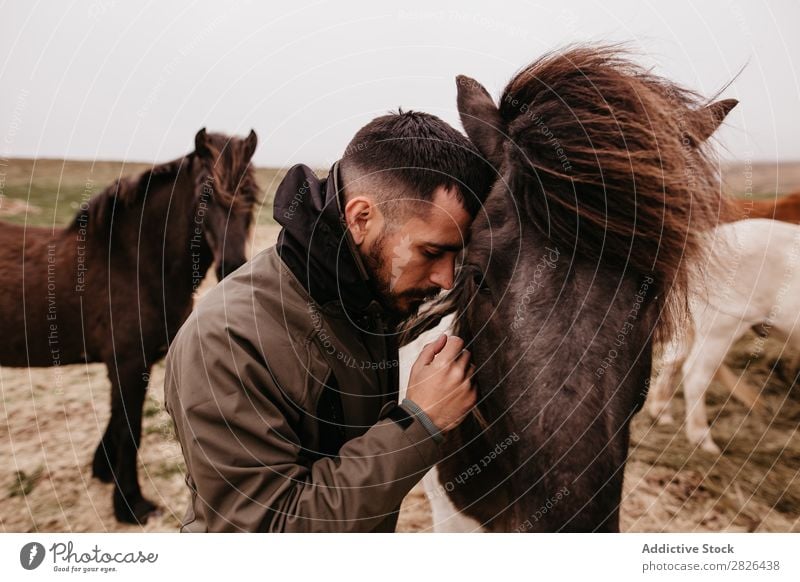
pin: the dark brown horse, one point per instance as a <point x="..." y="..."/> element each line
<point x="116" y="284"/>
<point x="576" y="265"/>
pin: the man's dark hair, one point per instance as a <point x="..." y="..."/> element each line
<point x="402" y="158"/>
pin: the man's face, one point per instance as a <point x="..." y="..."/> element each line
<point x="412" y="262"/>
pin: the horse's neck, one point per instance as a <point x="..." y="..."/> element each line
<point x="162" y="224"/>
<point x="187" y="256"/>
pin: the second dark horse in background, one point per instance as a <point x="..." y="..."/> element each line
<point x="116" y="284"/>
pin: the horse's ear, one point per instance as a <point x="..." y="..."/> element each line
<point x="712" y="116"/>
<point x="201" y="142"/>
<point x="250" y="144"/>
<point x="481" y="119"/>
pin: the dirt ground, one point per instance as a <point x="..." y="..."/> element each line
<point x="48" y="437"/>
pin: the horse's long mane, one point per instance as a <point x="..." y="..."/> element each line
<point x="431" y="314"/>
<point x="222" y="158"/>
<point x="128" y="190"/>
<point x="622" y="173"/>
<point x="610" y="162"/>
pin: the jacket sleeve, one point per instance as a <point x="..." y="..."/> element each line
<point x="235" y="426"/>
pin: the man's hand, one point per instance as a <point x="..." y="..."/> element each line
<point x="441" y="382"/>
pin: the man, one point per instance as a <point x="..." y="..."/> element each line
<point x="283" y="383"/>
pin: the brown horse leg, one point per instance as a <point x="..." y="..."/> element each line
<point x="105" y="457"/>
<point x="120" y="444"/>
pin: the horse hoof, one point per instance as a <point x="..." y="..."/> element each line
<point x="701" y="438"/>
<point x="705" y="443"/>
<point x="136" y="513"/>
<point x="709" y="446"/>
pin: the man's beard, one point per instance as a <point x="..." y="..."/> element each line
<point x="402" y="305"/>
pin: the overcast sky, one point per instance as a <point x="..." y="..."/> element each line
<point x="135" y="80"/>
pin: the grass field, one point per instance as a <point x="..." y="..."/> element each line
<point x="48" y="192"/>
<point x="47" y="437"/>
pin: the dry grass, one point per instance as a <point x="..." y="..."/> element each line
<point x="48" y="192"/>
<point x="47" y="437"/>
<point x="755" y="483"/>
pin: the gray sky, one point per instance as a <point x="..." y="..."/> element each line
<point x="135" y="80"/>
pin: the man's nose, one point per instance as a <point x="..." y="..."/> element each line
<point x="444" y="276"/>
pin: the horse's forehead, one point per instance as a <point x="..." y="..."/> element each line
<point x="497" y="224"/>
<point x="226" y="145"/>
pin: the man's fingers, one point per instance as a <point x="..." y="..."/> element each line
<point x="430" y="350"/>
<point x="462" y="361"/>
<point x="451" y="350"/>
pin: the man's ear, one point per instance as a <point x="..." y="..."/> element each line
<point x="481" y="119"/>
<point x="362" y="217"/>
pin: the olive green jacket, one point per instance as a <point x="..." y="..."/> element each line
<point x="286" y="410"/>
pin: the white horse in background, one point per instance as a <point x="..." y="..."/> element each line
<point x="446" y="518"/>
<point x="753" y="281"/>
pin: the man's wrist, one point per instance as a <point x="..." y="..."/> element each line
<point x="414" y="410"/>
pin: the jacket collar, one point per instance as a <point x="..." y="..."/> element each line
<point x="318" y="248"/>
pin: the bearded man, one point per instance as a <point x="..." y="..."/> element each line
<point x="283" y="382"/>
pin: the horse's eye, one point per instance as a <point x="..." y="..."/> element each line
<point x="479" y="280"/>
